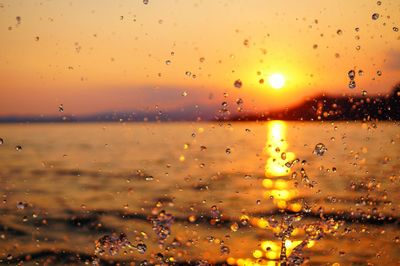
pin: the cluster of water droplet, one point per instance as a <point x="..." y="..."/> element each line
<point x="112" y="244"/>
<point x="215" y="215"/>
<point x="162" y="224"/>
<point x="313" y="232"/>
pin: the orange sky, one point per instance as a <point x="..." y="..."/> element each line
<point x="98" y="55"/>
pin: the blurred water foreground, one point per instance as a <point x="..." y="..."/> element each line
<point x="274" y="193"/>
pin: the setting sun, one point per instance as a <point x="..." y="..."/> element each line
<point x="276" y="81"/>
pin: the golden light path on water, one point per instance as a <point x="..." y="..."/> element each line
<point x="281" y="190"/>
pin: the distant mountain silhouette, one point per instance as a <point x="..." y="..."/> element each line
<point x="325" y="107"/>
<point x="322" y="107"/>
<point x="187" y="113"/>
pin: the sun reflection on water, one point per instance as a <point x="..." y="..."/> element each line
<point x="276" y="181"/>
<point x="278" y="188"/>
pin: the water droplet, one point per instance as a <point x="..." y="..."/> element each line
<point x="192" y="218"/>
<point x="159" y="256"/>
<point x="184" y="94"/>
<point x="202" y="59"/>
<point x="339" y="32"/>
<point x="18" y="148"/>
<point x="61" y="108"/>
<point x="21" y="205"/>
<point x="315" y="46"/>
<point x="228" y="151"/>
<point x="283" y="155"/>
<point x="1" y="141"/>
<point x="364" y="93"/>
<point x="244" y="220"/>
<point x="188" y="73"/>
<point x="379" y="3"/>
<point x="320" y="149"/>
<point x="352" y="84"/>
<point x="375" y="16"/>
<point x="203" y="148"/>
<point x="141" y="248"/>
<point x="360" y="72"/>
<point x="379" y="73"/>
<point x="234" y="227"/>
<point x="18" y="18"/>
<point x="351" y="74"/>
<point x="238" y="83"/>
<point x="37" y="38"/>
<point x="290" y="164"/>
<point x="145" y="2"/>
<point x="395" y="29"/>
<point x="168" y="62"/>
<point x="225" y="249"/>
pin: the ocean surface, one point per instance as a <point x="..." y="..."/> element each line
<point x="200" y="193"/>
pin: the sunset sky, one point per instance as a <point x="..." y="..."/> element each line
<point x="120" y="55"/>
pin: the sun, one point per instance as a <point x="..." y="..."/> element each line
<point x="277" y="81"/>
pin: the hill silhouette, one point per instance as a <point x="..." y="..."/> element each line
<point x="325" y="107"/>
